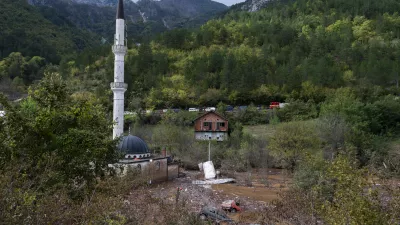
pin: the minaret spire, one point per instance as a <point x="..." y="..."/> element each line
<point x="120" y="10"/>
<point x="118" y="86"/>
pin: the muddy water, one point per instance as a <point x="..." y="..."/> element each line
<point x="253" y="193"/>
<point x="264" y="187"/>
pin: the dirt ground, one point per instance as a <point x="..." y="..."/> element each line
<point x="254" y="190"/>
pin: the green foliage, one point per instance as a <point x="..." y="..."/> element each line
<point x="251" y="116"/>
<point x="302" y="50"/>
<point x="52" y="130"/>
<point x="354" y="201"/>
<point x="310" y="173"/>
<point x="297" y="110"/>
<point x="24" y="69"/>
<point x="342" y="193"/>
<point x="46" y="40"/>
<point x="182" y="118"/>
<point x="383" y="115"/>
<point x="292" y="141"/>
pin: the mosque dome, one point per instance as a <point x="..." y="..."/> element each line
<point x="134" y="147"/>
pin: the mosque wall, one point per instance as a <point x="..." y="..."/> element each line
<point x="155" y="169"/>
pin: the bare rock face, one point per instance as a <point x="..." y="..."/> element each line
<point x="254" y="5"/>
<point x="97" y="2"/>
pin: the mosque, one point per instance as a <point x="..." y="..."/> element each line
<point x="136" y="152"/>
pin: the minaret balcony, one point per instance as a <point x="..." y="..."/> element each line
<point x="119" y="49"/>
<point x="119" y="86"/>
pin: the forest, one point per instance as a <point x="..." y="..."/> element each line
<point x="335" y="62"/>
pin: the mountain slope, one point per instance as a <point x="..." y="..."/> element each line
<point x="24" y="29"/>
<point x="301" y="49"/>
<point x="144" y="18"/>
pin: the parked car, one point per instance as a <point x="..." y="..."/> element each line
<point x="193" y="109"/>
<point x="243" y="107"/>
<point x="214" y="214"/>
<point x="281" y="105"/>
<point x="209" y="109"/>
<point x="229" y="108"/>
<point x="274" y="105"/>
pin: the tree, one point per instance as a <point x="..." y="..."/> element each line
<point x="51" y="131"/>
<point x="333" y="130"/>
<point x="354" y="201"/>
<point x="292" y="141"/>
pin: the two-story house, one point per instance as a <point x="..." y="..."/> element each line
<point x="211" y="126"/>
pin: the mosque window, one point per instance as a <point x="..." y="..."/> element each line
<point x="158" y="165"/>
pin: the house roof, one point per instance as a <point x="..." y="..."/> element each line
<point x="210" y="113"/>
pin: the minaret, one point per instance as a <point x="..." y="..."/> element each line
<point x="118" y="86"/>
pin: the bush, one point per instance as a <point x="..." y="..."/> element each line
<point x="298" y="110"/>
<point x="292" y="141"/>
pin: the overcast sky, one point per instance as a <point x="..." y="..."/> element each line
<point x="229" y="2"/>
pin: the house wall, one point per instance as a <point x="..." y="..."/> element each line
<point x="217" y="136"/>
<point x="213" y="119"/>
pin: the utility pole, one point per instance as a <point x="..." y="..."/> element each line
<point x="209" y="150"/>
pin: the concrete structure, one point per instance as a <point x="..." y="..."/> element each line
<point x="155" y="169"/>
<point x="136" y="152"/>
<point x="137" y="156"/>
<point x="211" y="126"/>
<point x="118" y="86"/>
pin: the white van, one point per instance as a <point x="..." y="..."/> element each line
<point x="209" y="109"/>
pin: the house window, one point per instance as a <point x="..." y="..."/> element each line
<point x="220" y="124"/>
<point x="207" y="125"/>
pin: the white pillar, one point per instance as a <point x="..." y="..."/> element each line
<point x="118" y="86"/>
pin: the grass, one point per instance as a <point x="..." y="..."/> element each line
<point x="260" y="131"/>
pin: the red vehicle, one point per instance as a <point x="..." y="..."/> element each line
<point x="273" y="105"/>
<point x="231" y="206"/>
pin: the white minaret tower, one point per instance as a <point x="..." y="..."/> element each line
<point x="118" y="86"/>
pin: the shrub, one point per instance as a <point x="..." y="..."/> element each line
<point x="292" y="141"/>
<point x="298" y="110"/>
